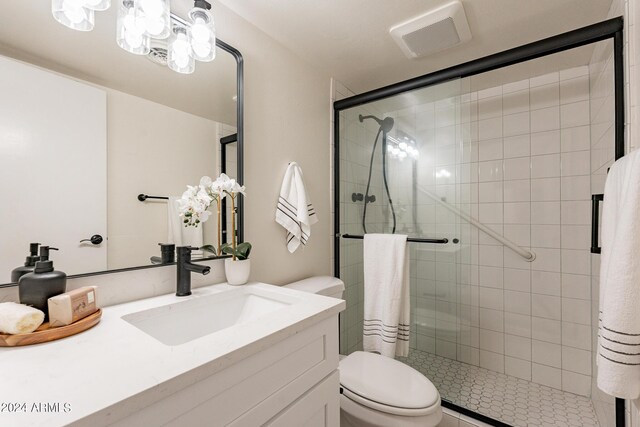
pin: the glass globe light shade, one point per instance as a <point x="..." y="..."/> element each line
<point x="73" y="14"/>
<point x="130" y="35"/>
<point x="203" y="34"/>
<point x="154" y="16"/>
<point x="180" y="55"/>
<point x="97" y="5"/>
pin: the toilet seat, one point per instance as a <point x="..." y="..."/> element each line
<point x="392" y="410"/>
<point x="387" y="385"/>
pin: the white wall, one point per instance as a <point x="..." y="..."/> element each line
<point x="286" y="119"/>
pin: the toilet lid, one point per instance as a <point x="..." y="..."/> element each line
<point x="383" y="383"/>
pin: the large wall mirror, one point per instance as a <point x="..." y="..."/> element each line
<point x="86" y="127"/>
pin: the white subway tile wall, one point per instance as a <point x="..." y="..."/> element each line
<point x="533" y="163"/>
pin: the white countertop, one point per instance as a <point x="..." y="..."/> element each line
<point x="114" y="369"/>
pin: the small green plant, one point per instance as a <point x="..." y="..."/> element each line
<point x="209" y="248"/>
<point x="241" y="252"/>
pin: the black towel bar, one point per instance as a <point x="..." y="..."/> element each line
<point x="409" y="239"/>
<point x="143" y="197"/>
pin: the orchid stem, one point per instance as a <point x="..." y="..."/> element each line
<point x="219" y="228"/>
<point x="233" y="225"/>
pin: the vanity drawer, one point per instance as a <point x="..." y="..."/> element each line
<point x="319" y="407"/>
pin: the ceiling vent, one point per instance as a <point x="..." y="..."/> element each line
<point x="433" y="31"/>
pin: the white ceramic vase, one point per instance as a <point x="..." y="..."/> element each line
<point x="237" y="271"/>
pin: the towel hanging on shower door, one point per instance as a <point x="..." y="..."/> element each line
<point x="619" y="326"/>
<point x="387" y="315"/>
<point x="295" y="211"/>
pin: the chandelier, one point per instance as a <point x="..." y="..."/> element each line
<point x="142" y="21"/>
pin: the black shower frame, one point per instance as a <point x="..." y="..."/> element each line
<point x="609" y="29"/>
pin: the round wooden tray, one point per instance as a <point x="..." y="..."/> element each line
<point x="44" y="333"/>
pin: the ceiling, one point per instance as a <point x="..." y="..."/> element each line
<point x="349" y="39"/>
<point x="29" y="33"/>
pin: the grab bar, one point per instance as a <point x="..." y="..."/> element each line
<point x="527" y="255"/>
<point x="409" y="239"/>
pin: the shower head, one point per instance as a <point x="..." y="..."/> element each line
<point x="386" y="125"/>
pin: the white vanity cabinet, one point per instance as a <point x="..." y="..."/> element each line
<point x="291" y="383"/>
<point x="274" y="362"/>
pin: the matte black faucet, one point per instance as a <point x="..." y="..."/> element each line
<point x="184" y="268"/>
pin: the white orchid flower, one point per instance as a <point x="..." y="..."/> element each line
<point x="205" y="182"/>
<point x="224" y="183"/>
<point x="190" y="192"/>
<point x="195" y="201"/>
<point x="219" y="185"/>
<point x="203" y="197"/>
<point x="204" y="216"/>
<point x="238" y="189"/>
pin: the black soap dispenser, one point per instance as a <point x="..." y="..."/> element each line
<point x="29" y="263"/>
<point x="44" y="252"/>
<point x="44" y="282"/>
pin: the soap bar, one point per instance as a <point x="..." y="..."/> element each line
<point x="72" y="306"/>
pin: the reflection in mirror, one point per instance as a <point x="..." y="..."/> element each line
<point x="86" y="127"/>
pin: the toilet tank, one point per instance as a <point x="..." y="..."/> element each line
<point x="322" y="285"/>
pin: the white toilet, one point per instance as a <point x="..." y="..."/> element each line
<point x="377" y="391"/>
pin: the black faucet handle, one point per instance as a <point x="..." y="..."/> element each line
<point x="186" y="250"/>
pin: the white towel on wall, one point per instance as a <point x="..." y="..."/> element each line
<point x="386" y="294"/>
<point x="295" y="211"/>
<point x="619" y="326"/>
<point x="178" y="233"/>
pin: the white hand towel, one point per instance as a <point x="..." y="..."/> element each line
<point x="178" y="233"/>
<point x="386" y="294"/>
<point x="19" y="318"/>
<point x="295" y="211"/>
<point x="619" y="327"/>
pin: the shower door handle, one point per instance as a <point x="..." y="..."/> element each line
<point x="595" y="222"/>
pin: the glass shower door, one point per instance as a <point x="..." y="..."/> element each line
<point x="421" y="162"/>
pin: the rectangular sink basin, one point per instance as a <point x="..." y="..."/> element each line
<point x="185" y="321"/>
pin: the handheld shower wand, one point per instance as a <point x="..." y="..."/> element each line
<point x="386" y="125"/>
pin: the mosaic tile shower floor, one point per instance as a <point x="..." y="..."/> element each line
<point x="502" y="397"/>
